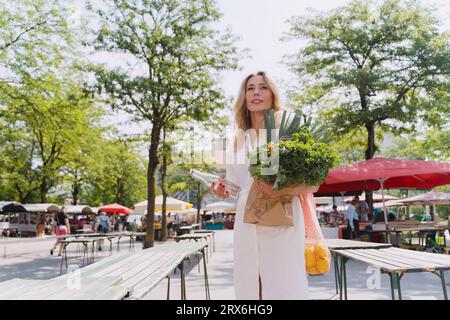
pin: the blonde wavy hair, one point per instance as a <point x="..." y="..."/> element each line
<point x="241" y="112"/>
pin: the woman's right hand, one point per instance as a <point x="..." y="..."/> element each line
<point x="219" y="191"/>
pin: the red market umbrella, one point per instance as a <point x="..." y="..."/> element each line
<point x="115" y="208"/>
<point x="382" y="173"/>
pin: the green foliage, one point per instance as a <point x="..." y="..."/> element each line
<point x="180" y="180"/>
<point x="434" y="144"/>
<point x="301" y="161"/>
<point x="118" y="174"/>
<point x="370" y="64"/>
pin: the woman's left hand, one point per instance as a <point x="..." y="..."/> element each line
<point x="267" y="189"/>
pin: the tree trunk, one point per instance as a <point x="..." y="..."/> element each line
<point x="164" y="190"/>
<point x="120" y="191"/>
<point x="75" y="189"/>
<point x="152" y="165"/>
<point x="198" y="202"/>
<point x="75" y="192"/>
<point x="370" y="152"/>
<point x="43" y="190"/>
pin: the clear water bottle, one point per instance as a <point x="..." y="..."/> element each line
<point x="208" y="179"/>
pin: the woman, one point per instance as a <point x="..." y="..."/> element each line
<point x="62" y="228"/>
<point x="269" y="262"/>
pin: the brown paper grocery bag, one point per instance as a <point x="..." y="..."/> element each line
<point x="262" y="210"/>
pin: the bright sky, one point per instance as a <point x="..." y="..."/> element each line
<point x="260" y="24"/>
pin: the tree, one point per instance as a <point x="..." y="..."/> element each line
<point x="434" y="145"/>
<point x="179" y="56"/>
<point x="371" y="64"/>
<point x="18" y="179"/>
<point x="27" y="26"/>
<point x="384" y="64"/>
<point x="56" y="113"/>
<point x="117" y="175"/>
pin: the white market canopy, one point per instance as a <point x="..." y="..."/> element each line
<point x="220" y="206"/>
<point x="339" y="208"/>
<point x="429" y="198"/>
<point x="79" y="209"/>
<point x="376" y="198"/>
<point x="172" y="204"/>
<point x="390" y="203"/>
<point x="42" y="207"/>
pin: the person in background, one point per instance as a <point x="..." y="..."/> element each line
<point x="40" y="229"/>
<point x="335" y="217"/>
<point x="352" y="221"/>
<point x="62" y="228"/>
<point x="81" y="223"/>
<point x="391" y="216"/>
<point x="318" y="211"/>
<point x="101" y="225"/>
<point x="169" y="225"/>
<point x="362" y="208"/>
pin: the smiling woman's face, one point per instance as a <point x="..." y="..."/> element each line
<point x="258" y="95"/>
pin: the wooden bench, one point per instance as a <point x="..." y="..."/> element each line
<point x="196" y="237"/>
<point x="85" y="241"/>
<point x="185" y="230"/>
<point x="395" y="262"/>
<point x="121" y="276"/>
<point x="339" y="244"/>
<point x="62" y="289"/>
<point x="213" y="235"/>
<point x="142" y="271"/>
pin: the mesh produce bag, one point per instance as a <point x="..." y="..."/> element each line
<point x="317" y="254"/>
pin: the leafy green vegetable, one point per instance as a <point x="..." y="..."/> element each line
<point x="301" y="158"/>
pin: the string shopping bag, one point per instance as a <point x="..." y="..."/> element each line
<point x="317" y="254"/>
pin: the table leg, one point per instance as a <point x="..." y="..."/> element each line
<point x="168" y="287"/>
<point x="336" y="272"/>
<point x="93" y="252"/>
<point x="64" y="257"/>
<point x="444" y="286"/>
<point x="344" y="261"/>
<point x="392" y="281"/>
<point x="398" y="286"/>
<point x="85" y="254"/>
<point x="183" y="281"/>
<point x="208" y="296"/>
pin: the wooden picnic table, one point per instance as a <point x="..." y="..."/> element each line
<point x="335" y="244"/>
<point x="142" y="271"/>
<point x="338" y="244"/>
<point x="85" y="241"/>
<point x="212" y="233"/>
<point x="195" y="237"/>
<point x="121" y="276"/>
<point x="184" y="230"/>
<point x="395" y="262"/>
<point x="400" y="230"/>
<point x="61" y="289"/>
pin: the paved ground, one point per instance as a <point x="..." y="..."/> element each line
<point x="32" y="260"/>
